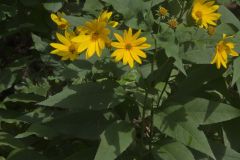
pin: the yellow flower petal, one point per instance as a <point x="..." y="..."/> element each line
<point x="62" y="39"/>
<point x="58" y="46"/>
<point x="117" y="45"/>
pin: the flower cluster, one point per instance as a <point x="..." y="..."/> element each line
<point x="205" y="15"/>
<point x="93" y="37"/>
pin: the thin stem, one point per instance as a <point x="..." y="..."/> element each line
<point x="152" y="107"/>
<point x="143" y="117"/>
<point x="162" y="92"/>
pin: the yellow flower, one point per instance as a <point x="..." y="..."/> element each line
<point x="223" y="49"/>
<point x="105" y="16"/>
<point x="129" y="47"/>
<point x="205" y="13"/>
<point x="163" y="12"/>
<point x="172" y="23"/>
<point x="61" y="22"/>
<point x="66" y="49"/>
<point x="93" y="38"/>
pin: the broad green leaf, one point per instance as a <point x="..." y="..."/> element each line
<point x="128" y="8"/>
<point x="232" y="132"/>
<point x="166" y="39"/>
<point x="76" y="21"/>
<point x="24" y="154"/>
<point x="38" y="130"/>
<point x="172" y="151"/>
<point x="92" y="6"/>
<point x="114" y="140"/>
<point x="2" y="158"/>
<point x="7" y="11"/>
<point x="197" y="77"/>
<point x="8" y="140"/>
<point x="94" y="96"/>
<point x="236" y="70"/>
<point x="40" y="89"/>
<point x="86" y="124"/>
<point x="176" y="125"/>
<point x="204" y="111"/>
<point x="53" y="5"/>
<point x="7" y="79"/>
<point x="24" y="98"/>
<point x="226" y="28"/>
<point x="39" y="44"/>
<point x="86" y="154"/>
<point x="224" y="153"/>
<point x="199" y="55"/>
<point x="30" y="3"/>
<point x="228" y="17"/>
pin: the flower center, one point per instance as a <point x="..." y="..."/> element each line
<point x="62" y="26"/>
<point x="95" y="36"/>
<point x="199" y="14"/>
<point x="173" y="23"/>
<point x="72" y="48"/>
<point x="128" y="46"/>
<point x="163" y="11"/>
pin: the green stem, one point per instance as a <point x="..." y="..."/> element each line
<point x="152" y="107"/>
<point x="143" y="117"/>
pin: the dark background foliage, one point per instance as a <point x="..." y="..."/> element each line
<point x="54" y="110"/>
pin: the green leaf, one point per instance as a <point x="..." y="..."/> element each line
<point x="30" y="3"/>
<point x="76" y="21"/>
<point x="8" y="140"/>
<point x="38" y="130"/>
<point x="172" y="151"/>
<point x="92" y="6"/>
<point x="204" y="111"/>
<point x="39" y="44"/>
<point x="7" y="11"/>
<point x="228" y="17"/>
<point x="7" y="79"/>
<point x="24" y="98"/>
<point x="94" y="96"/>
<point x="87" y="124"/>
<point x="232" y="132"/>
<point x="236" y="70"/>
<point x="197" y="77"/>
<point x="172" y="50"/>
<point x="176" y="125"/>
<point x="224" y="153"/>
<point x="86" y="154"/>
<point x="199" y="55"/>
<point x="114" y="141"/>
<point x="129" y="8"/>
<point x="53" y="6"/>
<point x="21" y="154"/>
